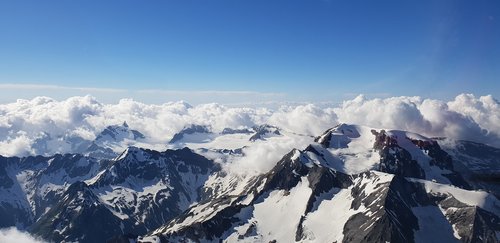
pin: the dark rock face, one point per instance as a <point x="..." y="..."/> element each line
<point x="5" y="180"/>
<point x="97" y="151"/>
<point x="42" y="184"/>
<point x="236" y="131"/>
<point x="478" y="164"/>
<point x="189" y="130"/>
<point x="69" y="163"/>
<point x="474" y="224"/>
<point x="398" y="161"/>
<point x="393" y="158"/>
<point x="78" y="217"/>
<point x="11" y="215"/>
<point x="393" y="220"/>
<point x="439" y="157"/>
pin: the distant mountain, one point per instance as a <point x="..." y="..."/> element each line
<point x="191" y="130"/>
<point x="108" y="143"/>
<point x="117" y="133"/>
<point x="113" y="139"/>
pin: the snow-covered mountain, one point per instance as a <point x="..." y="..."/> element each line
<point x="354" y="185"/>
<point x="350" y="184"/>
<point x="113" y="140"/>
<point x="137" y="192"/>
<point x="32" y="185"/>
<point x="109" y="143"/>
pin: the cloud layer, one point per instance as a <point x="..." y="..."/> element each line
<point x="13" y="235"/>
<point x="22" y="122"/>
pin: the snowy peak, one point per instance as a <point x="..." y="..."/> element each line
<point x="117" y="133"/>
<point x="112" y="140"/>
<point x="353" y="149"/>
<point x="338" y="136"/>
<point x="413" y="155"/>
<point x="189" y="132"/>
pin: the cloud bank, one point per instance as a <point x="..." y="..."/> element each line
<point x="11" y="235"/>
<point x="24" y="121"/>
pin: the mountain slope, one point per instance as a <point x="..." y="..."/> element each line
<point x="351" y="184"/>
<point x="303" y="201"/>
<point x="139" y="191"/>
<point x="354" y="185"/>
<point x="31" y="185"/>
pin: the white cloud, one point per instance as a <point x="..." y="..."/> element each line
<point x="18" y="145"/>
<point x="23" y="121"/>
<point x="262" y="157"/>
<point x="13" y="235"/>
<point x="304" y="119"/>
<point x="466" y="117"/>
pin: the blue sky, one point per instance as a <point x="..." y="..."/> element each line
<point x="303" y="50"/>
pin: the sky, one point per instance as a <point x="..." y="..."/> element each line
<point x="239" y="51"/>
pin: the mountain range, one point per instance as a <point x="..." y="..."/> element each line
<point x="350" y="184"/>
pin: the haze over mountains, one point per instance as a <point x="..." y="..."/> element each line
<point x="398" y="169"/>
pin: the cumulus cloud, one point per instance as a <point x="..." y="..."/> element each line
<point x="24" y="122"/>
<point x="262" y="157"/>
<point x="13" y="235"/>
<point x="466" y="117"/>
<point x="304" y="119"/>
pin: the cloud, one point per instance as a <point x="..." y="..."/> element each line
<point x="304" y="119"/>
<point x="13" y="235"/>
<point x="466" y="117"/>
<point x="24" y="122"/>
<point x="262" y="157"/>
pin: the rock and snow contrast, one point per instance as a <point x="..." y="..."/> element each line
<point x="177" y="173"/>
<point x="354" y="184"/>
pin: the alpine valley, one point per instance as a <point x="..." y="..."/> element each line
<point x="350" y="184"/>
